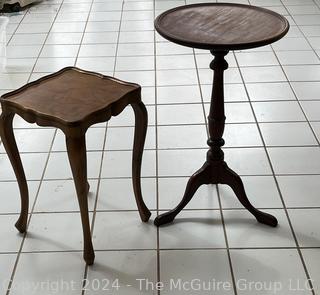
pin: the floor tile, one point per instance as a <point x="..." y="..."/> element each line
<point x="297" y="57"/>
<point x="167" y="48"/>
<point x="54" y="232"/>
<point x="176" y="77"/>
<point x="302" y="72"/>
<point x="101" y="26"/>
<point x="248" y="161"/>
<point x="99" y="37"/>
<point x="135" y="49"/>
<point x="304" y="222"/>
<point x="96" y="64"/>
<point x="286" y="134"/>
<point x="232" y="75"/>
<point x="53" y="64"/>
<point x="60" y="196"/>
<point x="28" y="39"/>
<point x="68" y="27"/>
<point x="167" y="62"/>
<point x="267" y="270"/>
<point x="138" y="15"/>
<point x="243" y="230"/>
<point x="123" y="230"/>
<point x="172" y="189"/>
<point x="11" y="196"/>
<point x="138" y="63"/>
<point x="180" y="114"/>
<point x="193" y="229"/>
<point x="144" y="78"/>
<point x="118" y="164"/>
<point x="242" y="135"/>
<point x="295" y="160"/>
<point x="121" y="138"/>
<point x="117" y="194"/>
<point x="59" y="167"/>
<point x="58" y="272"/>
<point x="120" y="268"/>
<point x="270" y="91"/>
<point x="33" y="164"/>
<point x="278" y="111"/>
<point x="310" y="108"/>
<point x="13" y="81"/>
<point x="18" y="65"/>
<point x="178" y="94"/>
<point x="261" y="191"/>
<point x="291" y="44"/>
<point x="94" y="140"/>
<point x="232" y="93"/>
<point x="184" y="136"/>
<point x="10" y="237"/>
<point x="179" y="267"/>
<point x="263" y="74"/>
<point x="33" y="28"/>
<point x="246" y="59"/>
<point x="236" y="112"/>
<point x="126" y="118"/>
<point x="173" y="162"/>
<point x="316" y="128"/>
<point x="72" y="16"/>
<point x="300" y="191"/>
<point x="23" y="51"/>
<point x="96" y="50"/>
<point x="311" y="257"/>
<point x="29" y="140"/>
<point x="134" y="37"/>
<point x="64" y="38"/>
<point x="59" y="51"/>
<point x="6" y="266"/>
<point x="306" y="90"/>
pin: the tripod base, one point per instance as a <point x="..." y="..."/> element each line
<point x="214" y="173"/>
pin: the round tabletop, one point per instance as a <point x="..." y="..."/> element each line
<point x="221" y="26"/>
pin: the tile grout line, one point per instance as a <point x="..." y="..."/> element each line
<point x="162" y="249"/>
<point x="166" y="209"/>
<point x="84" y="32"/>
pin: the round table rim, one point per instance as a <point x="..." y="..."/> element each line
<point x="220" y="47"/>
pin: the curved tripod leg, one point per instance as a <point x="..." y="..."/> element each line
<point x="202" y="176"/>
<point x="11" y="148"/>
<point x="232" y="179"/>
<point x="76" y="148"/>
<point x="140" y="131"/>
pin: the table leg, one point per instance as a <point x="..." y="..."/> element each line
<point x="77" y="154"/>
<point x="215" y="170"/>
<point x="10" y="145"/>
<point x="140" y="131"/>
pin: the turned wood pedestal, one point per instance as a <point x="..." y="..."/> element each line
<point x="219" y="27"/>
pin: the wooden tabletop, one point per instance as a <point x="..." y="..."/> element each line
<point x="71" y="96"/>
<point x="221" y="26"/>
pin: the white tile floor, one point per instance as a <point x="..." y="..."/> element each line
<point x="272" y="140"/>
